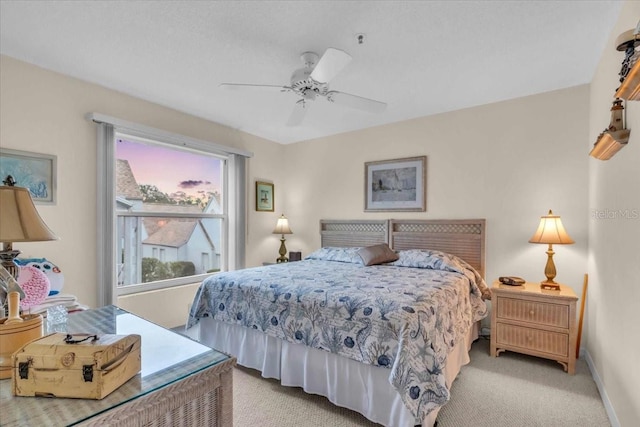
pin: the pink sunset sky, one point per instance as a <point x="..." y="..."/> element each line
<point x="169" y="169"/>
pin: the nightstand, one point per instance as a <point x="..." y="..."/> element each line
<point x="528" y="320"/>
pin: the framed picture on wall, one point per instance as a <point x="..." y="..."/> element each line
<point x="264" y="196"/>
<point x="396" y="185"/>
<point x="34" y="171"/>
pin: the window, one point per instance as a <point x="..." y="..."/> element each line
<point x="171" y="209"/>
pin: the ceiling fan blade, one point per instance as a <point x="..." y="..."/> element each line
<point x="331" y="63"/>
<point x="298" y="113"/>
<point x="240" y="86"/>
<point x="355" y="101"/>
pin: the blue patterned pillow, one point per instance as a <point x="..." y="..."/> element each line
<point x="427" y="258"/>
<point x="437" y="260"/>
<point x="349" y="255"/>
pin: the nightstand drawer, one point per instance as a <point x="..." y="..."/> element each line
<point x="533" y="339"/>
<point x="534" y="312"/>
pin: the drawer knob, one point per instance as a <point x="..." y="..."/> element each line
<point x="532" y="312"/>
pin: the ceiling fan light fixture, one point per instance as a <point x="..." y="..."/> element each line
<point x="309" y="95"/>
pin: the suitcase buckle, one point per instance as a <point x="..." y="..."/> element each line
<point x="23" y="370"/>
<point x="87" y="373"/>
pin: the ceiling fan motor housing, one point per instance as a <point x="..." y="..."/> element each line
<point x="305" y="86"/>
<point x="302" y="83"/>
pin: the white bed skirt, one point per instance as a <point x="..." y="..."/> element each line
<point x="360" y="387"/>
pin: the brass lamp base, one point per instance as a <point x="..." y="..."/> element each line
<point x="282" y="252"/>
<point x="549" y="286"/>
<point x="550" y="272"/>
<point x="7" y="257"/>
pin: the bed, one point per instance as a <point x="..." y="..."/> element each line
<point x="386" y="340"/>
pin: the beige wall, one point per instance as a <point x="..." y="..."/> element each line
<point x="612" y="314"/>
<point x="42" y="111"/>
<point x="507" y="162"/>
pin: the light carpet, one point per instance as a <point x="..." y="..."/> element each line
<point x="507" y="391"/>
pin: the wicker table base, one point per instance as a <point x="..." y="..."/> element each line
<point x="203" y="399"/>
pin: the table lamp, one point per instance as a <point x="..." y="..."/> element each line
<point x="19" y="222"/>
<point x="282" y="228"/>
<point x="550" y="231"/>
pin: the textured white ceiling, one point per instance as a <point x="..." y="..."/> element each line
<point x="422" y="58"/>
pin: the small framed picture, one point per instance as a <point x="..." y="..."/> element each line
<point x="396" y="185"/>
<point x="264" y="196"/>
<point x="34" y="171"/>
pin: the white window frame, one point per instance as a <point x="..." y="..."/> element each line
<point x="234" y="230"/>
<point x="139" y="215"/>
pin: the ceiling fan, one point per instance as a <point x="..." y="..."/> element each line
<point x="312" y="81"/>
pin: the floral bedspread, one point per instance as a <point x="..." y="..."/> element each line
<point x="405" y="315"/>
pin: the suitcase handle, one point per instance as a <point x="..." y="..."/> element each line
<point x="69" y="339"/>
<point x="118" y="360"/>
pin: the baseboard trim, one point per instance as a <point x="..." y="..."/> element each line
<point x="611" y="413"/>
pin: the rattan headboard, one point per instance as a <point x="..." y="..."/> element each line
<point x="461" y="237"/>
<point x="350" y="233"/>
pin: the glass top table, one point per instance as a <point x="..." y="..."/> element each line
<point x="167" y="357"/>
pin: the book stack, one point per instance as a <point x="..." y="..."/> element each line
<point x="68" y="301"/>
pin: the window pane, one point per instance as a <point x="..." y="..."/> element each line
<point x="176" y="188"/>
<point x="160" y="176"/>
<point x="152" y="249"/>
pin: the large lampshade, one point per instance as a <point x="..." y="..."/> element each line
<point x="19" y="219"/>
<point x="551" y="231"/>
<point x="282" y="226"/>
